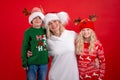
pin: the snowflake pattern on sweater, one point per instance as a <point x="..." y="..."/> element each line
<point x="88" y="69"/>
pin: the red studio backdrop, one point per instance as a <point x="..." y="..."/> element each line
<point x="13" y="23"/>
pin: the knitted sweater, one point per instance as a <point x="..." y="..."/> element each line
<point x="35" y="41"/>
<point x="86" y="63"/>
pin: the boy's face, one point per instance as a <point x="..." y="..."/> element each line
<point x="37" y="21"/>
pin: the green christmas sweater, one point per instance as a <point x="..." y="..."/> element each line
<point x="35" y="41"/>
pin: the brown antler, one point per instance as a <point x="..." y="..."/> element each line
<point x="26" y="12"/>
<point x="42" y="10"/>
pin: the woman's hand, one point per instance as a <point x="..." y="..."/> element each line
<point x="29" y="53"/>
<point x="25" y="68"/>
<point x="97" y="65"/>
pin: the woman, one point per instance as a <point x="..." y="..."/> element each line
<point x="61" y="47"/>
<point x="90" y="55"/>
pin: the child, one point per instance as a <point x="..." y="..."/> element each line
<point x="90" y="55"/>
<point x="35" y="41"/>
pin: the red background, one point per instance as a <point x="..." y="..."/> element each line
<point x="13" y="23"/>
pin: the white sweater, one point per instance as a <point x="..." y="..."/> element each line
<point x="64" y="64"/>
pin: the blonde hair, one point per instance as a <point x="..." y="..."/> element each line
<point x="50" y="33"/>
<point x="80" y="42"/>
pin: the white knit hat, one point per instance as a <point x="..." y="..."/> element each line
<point x="61" y="16"/>
<point x="36" y="12"/>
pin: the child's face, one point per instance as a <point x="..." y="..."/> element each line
<point x="37" y="21"/>
<point x="87" y="32"/>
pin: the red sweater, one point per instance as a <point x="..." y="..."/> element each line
<point x="86" y="63"/>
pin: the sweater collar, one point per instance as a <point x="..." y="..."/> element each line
<point x="61" y="37"/>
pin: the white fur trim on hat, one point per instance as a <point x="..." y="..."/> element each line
<point x="62" y="16"/>
<point x="50" y="17"/>
<point x="35" y="14"/>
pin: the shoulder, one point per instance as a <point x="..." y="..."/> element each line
<point x="27" y="30"/>
<point x="71" y="32"/>
<point x="44" y="29"/>
<point x="98" y="45"/>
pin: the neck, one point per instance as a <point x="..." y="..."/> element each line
<point x="57" y="33"/>
<point x="87" y="40"/>
<point x="37" y="27"/>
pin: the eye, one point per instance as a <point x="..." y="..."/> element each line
<point x="49" y="23"/>
<point x="83" y="30"/>
<point x="88" y="29"/>
<point x="55" y="21"/>
<point x="39" y="17"/>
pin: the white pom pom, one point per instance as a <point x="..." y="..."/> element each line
<point x="64" y="17"/>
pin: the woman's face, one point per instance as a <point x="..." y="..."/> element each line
<point x="87" y="32"/>
<point x="54" y="25"/>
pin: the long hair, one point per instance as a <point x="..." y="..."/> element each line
<point x="50" y="33"/>
<point x="80" y="43"/>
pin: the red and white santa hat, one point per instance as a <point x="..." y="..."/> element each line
<point x="86" y="23"/>
<point x="36" y="12"/>
<point x="63" y="17"/>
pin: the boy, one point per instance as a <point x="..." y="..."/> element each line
<point x="35" y="41"/>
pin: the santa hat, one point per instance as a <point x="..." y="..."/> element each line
<point x="36" y="12"/>
<point x="61" y="16"/>
<point x="86" y="23"/>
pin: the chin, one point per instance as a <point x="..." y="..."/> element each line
<point x="86" y="37"/>
<point x="38" y="24"/>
